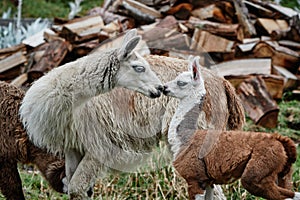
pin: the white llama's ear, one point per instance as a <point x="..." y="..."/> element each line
<point x="196" y="69"/>
<point x="130" y="34"/>
<point x="127" y="47"/>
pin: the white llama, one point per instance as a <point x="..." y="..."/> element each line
<point x="59" y="114"/>
<point x="263" y="161"/>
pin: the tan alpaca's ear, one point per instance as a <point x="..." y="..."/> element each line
<point x="196" y="68"/>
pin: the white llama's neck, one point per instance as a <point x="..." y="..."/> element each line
<point x="184" y="122"/>
<point x="89" y="76"/>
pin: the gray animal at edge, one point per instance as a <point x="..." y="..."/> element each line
<point x="15" y="148"/>
<point x="59" y="113"/>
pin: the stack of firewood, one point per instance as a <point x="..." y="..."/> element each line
<point x="253" y="44"/>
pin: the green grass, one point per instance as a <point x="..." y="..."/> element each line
<point x="47" y="8"/>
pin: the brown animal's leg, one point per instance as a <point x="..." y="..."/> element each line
<point x="10" y="181"/>
<point x="260" y="177"/>
<point x="51" y="167"/>
<point x="286" y="181"/>
<point x="194" y="189"/>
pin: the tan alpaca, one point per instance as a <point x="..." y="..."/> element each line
<point x="263" y="161"/>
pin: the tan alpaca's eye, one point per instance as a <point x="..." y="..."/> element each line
<point x="181" y="83"/>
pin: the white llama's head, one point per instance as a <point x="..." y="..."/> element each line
<point x="188" y="84"/>
<point x="135" y="72"/>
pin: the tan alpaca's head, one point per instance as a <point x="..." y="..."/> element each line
<point x="135" y="72"/>
<point x="187" y="84"/>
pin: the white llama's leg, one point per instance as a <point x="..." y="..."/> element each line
<point x="218" y="193"/>
<point x="199" y="196"/>
<point x="72" y="160"/>
<point x="297" y="196"/>
<point x="85" y="175"/>
<point x="209" y="193"/>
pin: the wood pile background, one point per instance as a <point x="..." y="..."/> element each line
<point x="253" y="44"/>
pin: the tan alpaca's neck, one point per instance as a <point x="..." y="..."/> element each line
<point x="184" y="122"/>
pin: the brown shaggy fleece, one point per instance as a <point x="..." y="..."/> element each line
<point x="16" y="148"/>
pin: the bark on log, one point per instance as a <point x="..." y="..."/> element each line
<point x="242" y="15"/>
<point x="274" y="83"/>
<point x="53" y="56"/>
<point x="258" y="103"/>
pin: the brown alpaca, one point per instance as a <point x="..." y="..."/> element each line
<point x="15" y="147"/>
<point x="263" y="161"/>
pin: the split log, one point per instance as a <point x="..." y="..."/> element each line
<point x="12" y="61"/>
<point x="259" y="10"/>
<point x="161" y="29"/>
<point x="290" y="80"/>
<point x="5" y="52"/>
<point x="290" y="44"/>
<point x="267" y="26"/>
<point x="293" y="32"/>
<point x="242" y="15"/>
<point x="243" y="67"/>
<point x="53" y="56"/>
<point x="140" y="12"/>
<point x="204" y="41"/>
<point x="81" y="29"/>
<point x="181" y="11"/>
<point x="285" y="11"/>
<point x="274" y="83"/>
<point x="258" y="103"/>
<point x="229" y="31"/>
<point x="281" y="56"/>
<point x="35" y="40"/>
<point x="212" y="13"/>
<point x="20" y="80"/>
<point x="108" y="17"/>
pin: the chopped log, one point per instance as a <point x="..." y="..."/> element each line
<point x="81" y="29"/>
<point x="108" y="17"/>
<point x="171" y="42"/>
<point x="224" y="30"/>
<point x="285" y="11"/>
<point x="243" y="67"/>
<point x="12" y="61"/>
<point x="204" y="41"/>
<point x="20" y="80"/>
<point x="53" y="57"/>
<point x="258" y="103"/>
<point x="290" y="80"/>
<point x="270" y="25"/>
<point x="259" y="10"/>
<point x="85" y="48"/>
<point x="181" y="11"/>
<point x="35" y="40"/>
<point x="293" y="32"/>
<point x="248" y="47"/>
<point x="140" y="12"/>
<point x="242" y="15"/>
<point x="274" y="83"/>
<point x="161" y="29"/>
<point x="290" y="44"/>
<point x="211" y="12"/>
<point x="5" y="52"/>
<point x="142" y="47"/>
<point x="281" y="56"/>
<point x="50" y="35"/>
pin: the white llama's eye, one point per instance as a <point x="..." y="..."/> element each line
<point x="139" y="68"/>
<point x="181" y="83"/>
